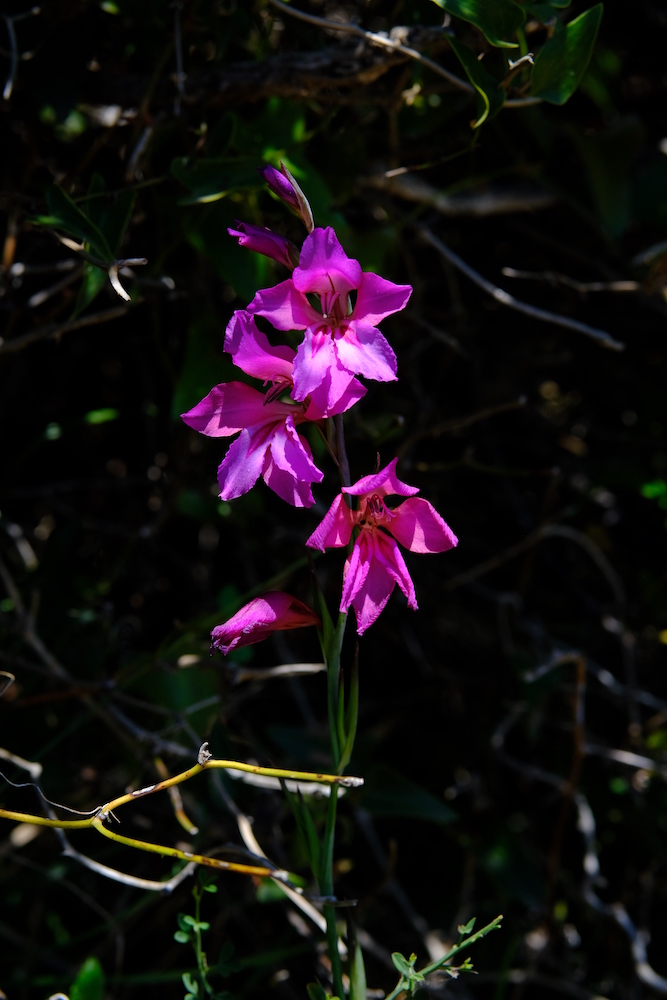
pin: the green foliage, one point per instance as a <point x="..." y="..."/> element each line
<point x="562" y="61"/>
<point x="490" y="96"/>
<point x="496" y="19"/>
<point x="66" y="217"/>
<point x="89" y="982"/>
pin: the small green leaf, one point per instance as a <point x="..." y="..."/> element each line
<point x="490" y="96"/>
<point x="182" y="937"/>
<point x="654" y="490"/>
<point x="89" y="983"/>
<point x="191" y="985"/>
<point x="466" y="928"/>
<point x="94" y="279"/>
<point x="103" y="416"/>
<point x="496" y="19"/>
<point x="561" y="62"/>
<point x="402" y="964"/>
<point x="210" y="888"/>
<point x="357" y="976"/>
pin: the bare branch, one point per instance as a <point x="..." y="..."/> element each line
<point x="602" y="338"/>
<point x="579" y="286"/>
<point x="55" y="330"/>
<point x="401" y="183"/>
<point x="375" y="39"/>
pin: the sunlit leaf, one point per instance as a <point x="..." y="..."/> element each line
<point x="562" y="60"/>
<point x="490" y="96"/>
<point x="496" y="19"/>
<point x="89" y="983"/>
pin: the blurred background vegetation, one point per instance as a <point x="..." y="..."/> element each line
<point x="513" y="733"/>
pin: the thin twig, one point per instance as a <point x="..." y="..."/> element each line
<point x="401" y="183"/>
<point x="461" y="422"/>
<point x="178" y="45"/>
<point x="47" y="293"/>
<point x="55" y="330"/>
<point x="14" y="48"/>
<point x="554" y="278"/>
<point x="602" y="338"/>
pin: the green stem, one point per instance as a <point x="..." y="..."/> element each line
<point x="332" y="657"/>
<point x="327" y="889"/>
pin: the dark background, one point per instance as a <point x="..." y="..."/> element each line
<point x="125" y="558"/>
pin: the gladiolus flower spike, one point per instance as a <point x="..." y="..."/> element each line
<point x="375" y="564"/>
<point x="274" y="612"/>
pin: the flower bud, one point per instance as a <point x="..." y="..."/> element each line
<point x="283" y="184"/>
<point x="266" y="242"/>
<point x="274" y="612"/>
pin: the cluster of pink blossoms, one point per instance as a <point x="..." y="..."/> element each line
<point x="340" y="342"/>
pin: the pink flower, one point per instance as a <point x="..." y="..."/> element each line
<point x="269" y="443"/>
<point x="375" y="564"/>
<point x="253" y="354"/>
<point x="341" y="340"/>
<point x="274" y="612"/>
<point x="266" y="242"/>
<point x="283" y="184"/>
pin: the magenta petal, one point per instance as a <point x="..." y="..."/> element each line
<point x="385" y="483"/>
<point x="255" y="621"/>
<point x="296" y="492"/>
<point x="324" y="266"/>
<point x="240" y="468"/>
<point x="371" y="596"/>
<point x="388" y="553"/>
<point x="355" y="571"/>
<point x="230" y="407"/>
<point x="315" y="359"/>
<point x="363" y="350"/>
<point x="335" y="529"/>
<point x="417" y="525"/>
<point x="251" y="351"/>
<point x="336" y="394"/>
<point x="285" y="307"/>
<point x="378" y="298"/>
<point x="289" y="469"/>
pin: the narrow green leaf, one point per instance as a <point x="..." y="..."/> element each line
<point x="92" y="283"/>
<point x="342" y="736"/>
<point x="351" y="713"/>
<point x="466" y="928"/>
<point x="89" y="983"/>
<point x="561" y="62"/>
<point x="68" y="218"/>
<point x="211" y="179"/>
<point x="327" y="623"/>
<point x="496" y="19"/>
<point x="304" y="822"/>
<point x="316" y="992"/>
<point x="490" y="96"/>
<point x="357" y="975"/>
